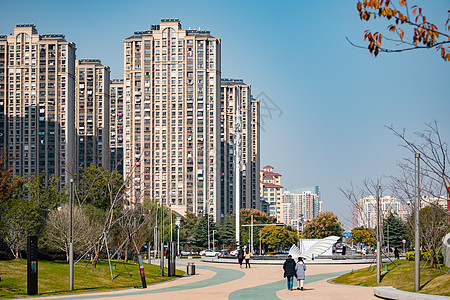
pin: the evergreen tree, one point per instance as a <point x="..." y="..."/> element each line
<point x="397" y="231"/>
<point x="227" y="232"/>
<point x="200" y="231"/>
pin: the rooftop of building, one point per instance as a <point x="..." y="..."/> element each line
<point x="232" y="81"/>
<point x="90" y="61"/>
<point x="265" y="173"/>
<point x="270" y="185"/>
<point x="157" y="27"/>
<point x="117" y="80"/>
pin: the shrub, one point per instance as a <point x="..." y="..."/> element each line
<point x="425" y="255"/>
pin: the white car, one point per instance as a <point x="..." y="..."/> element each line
<point x="209" y="253"/>
<point x="234" y="253"/>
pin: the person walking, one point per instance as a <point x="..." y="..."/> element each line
<point x="247" y="256"/>
<point x="289" y="271"/>
<point x="240" y="256"/>
<point x="300" y="269"/>
<point x="396" y="253"/>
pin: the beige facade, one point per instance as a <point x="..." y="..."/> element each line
<point x="92" y="109"/>
<point x="172" y="117"/>
<point x="234" y="92"/>
<point x="37" y="102"/>
<point x="271" y="191"/>
<point x="305" y="206"/>
<point x="366" y="209"/>
<point x="117" y="125"/>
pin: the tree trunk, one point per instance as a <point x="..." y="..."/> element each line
<point x="126" y="252"/>
<point x="94" y="260"/>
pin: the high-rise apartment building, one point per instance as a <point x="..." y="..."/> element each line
<point x="255" y="154"/>
<point x="92" y="109"/>
<point x="235" y="93"/>
<point x="271" y="191"/>
<point x="172" y="117"/>
<point x="366" y="209"/>
<point x="305" y="205"/>
<point x="37" y="102"/>
<point x="116" y="128"/>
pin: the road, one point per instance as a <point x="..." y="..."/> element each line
<point x="229" y="281"/>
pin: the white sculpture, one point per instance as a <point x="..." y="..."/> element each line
<point x="446" y="249"/>
<point x="316" y="249"/>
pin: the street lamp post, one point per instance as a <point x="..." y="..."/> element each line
<point x="71" y="272"/>
<point x="213" y="240"/>
<point x="378" y="237"/>
<point x="388" y="248"/>
<point x="177" y="224"/>
<point x="161" y="263"/>
<point x="171" y="225"/>
<point x="416" y="229"/>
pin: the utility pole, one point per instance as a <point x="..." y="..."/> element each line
<point x="161" y="262"/>
<point x="388" y="248"/>
<point x="213" y="241"/>
<point x="71" y="238"/>
<point x="378" y="237"/>
<point x="207" y="215"/>
<point x="251" y="239"/>
<point x="416" y="228"/>
<point x="237" y="163"/>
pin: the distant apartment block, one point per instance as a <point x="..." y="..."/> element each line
<point x="37" y="102"/>
<point x="306" y="205"/>
<point x="117" y="125"/>
<point x="366" y="209"/>
<point x="92" y="110"/>
<point x="172" y="117"/>
<point x="271" y="192"/>
<point x="235" y="94"/>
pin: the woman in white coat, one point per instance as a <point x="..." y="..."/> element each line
<point x="300" y="269"/>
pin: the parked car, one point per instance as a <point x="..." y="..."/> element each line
<point x="209" y="253"/>
<point x="185" y="252"/>
<point x="234" y="252"/>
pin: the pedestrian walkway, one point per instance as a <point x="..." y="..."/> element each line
<point x="229" y="281"/>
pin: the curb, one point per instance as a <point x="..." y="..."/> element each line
<point x="388" y="292"/>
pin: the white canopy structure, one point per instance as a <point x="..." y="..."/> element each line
<point x="316" y="249"/>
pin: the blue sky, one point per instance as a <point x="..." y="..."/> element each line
<point x="334" y="99"/>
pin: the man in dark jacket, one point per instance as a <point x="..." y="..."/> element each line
<point x="240" y="256"/>
<point x="289" y="271"/>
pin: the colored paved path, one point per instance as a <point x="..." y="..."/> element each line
<point x="228" y="281"/>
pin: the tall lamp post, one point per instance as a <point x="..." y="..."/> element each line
<point x="237" y="164"/>
<point x="416" y="228"/>
<point x="207" y="216"/>
<point x="177" y="224"/>
<point x="161" y="262"/>
<point x="378" y="236"/>
<point x="71" y="238"/>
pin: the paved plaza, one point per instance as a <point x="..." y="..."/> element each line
<point x="228" y="281"/>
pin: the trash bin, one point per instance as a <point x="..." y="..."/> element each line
<point x="386" y="267"/>
<point x="114" y="266"/>
<point x="190" y="269"/>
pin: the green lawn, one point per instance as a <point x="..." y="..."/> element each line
<point x="54" y="277"/>
<point x="432" y="280"/>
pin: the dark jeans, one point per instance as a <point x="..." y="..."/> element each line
<point x="240" y="261"/>
<point x="290" y="282"/>
<point x="247" y="263"/>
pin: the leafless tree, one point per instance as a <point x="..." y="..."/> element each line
<point x="57" y="229"/>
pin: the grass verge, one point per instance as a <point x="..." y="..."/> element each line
<point x="53" y="277"/>
<point x="432" y="281"/>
